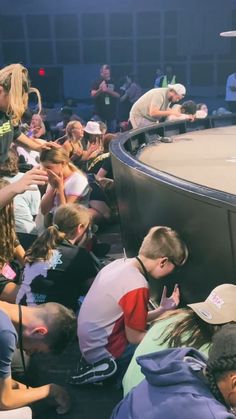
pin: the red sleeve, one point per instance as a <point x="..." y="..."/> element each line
<point x="134" y="306"/>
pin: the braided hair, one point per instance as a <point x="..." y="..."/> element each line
<point x="222" y="359"/>
<point x="216" y="370"/>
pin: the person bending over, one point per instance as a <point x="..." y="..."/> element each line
<point x="181" y="383"/>
<point x="114" y="312"/>
<point x="194" y="327"/>
<point x="56" y="268"/>
<point x="45" y="328"/>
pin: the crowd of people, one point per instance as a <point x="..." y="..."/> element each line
<point x="53" y="290"/>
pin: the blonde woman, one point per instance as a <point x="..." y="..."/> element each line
<point x="14" y="91"/>
<point x="67" y="184"/>
<point x="73" y="144"/>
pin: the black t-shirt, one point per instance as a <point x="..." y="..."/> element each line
<point x="61" y="279"/>
<point x="8" y="133"/>
<point x="105" y="104"/>
<point x="102" y="161"/>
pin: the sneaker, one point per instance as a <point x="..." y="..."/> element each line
<point x="92" y="373"/>
<point x="166" y="140"/>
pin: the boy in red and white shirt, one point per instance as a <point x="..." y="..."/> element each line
<point x="115" y="313"/>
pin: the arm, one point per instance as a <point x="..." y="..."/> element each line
<point x="32" y="177"/>
<point x="101" y="173"/>
<point x="134" y="336"/>
<point x="33" y="144"/>
<point x="11" y="398"/>
<point x="48" y="200"/>
<point x="19" y="254"/>
<point x="155" y="112"/>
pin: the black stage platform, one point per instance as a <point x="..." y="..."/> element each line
<point x="192" y="191"/>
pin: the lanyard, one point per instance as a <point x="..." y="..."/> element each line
<point x="145" y="272"/>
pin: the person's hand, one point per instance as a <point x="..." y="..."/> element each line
<point x="56" y="181"/>
<point x="61" y="398"/>
<point x="48" y="145"/>
<point x="30" y="178"/>
<point x="93" y="150"/>
<point x="102" y="85"/>
<point x="190" y="117"/>
<point x="170" y="303"/>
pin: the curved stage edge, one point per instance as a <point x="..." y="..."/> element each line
<point x="204" y="217"/>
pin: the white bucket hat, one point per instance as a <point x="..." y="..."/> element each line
<point x="92" y="128"/>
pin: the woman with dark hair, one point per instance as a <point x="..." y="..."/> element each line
<point x="181" y="383"/>
<point x="185" y="327"/>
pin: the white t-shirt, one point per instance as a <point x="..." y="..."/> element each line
<point x="75" y="184"/>
<point x="26" y="206"/>
<point x="118" y="297"/>
<point x="231" y="82"/>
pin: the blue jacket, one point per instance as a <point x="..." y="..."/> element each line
<point x="174" y="388"/>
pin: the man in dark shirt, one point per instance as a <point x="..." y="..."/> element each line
<point x="105" y="98"/>
<point x="44" y="328"/>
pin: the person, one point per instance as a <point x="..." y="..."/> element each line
<point x="187" y="110"/>
<point x="182" y="383"/>
<point x="26" y="205"/>
<point x="159" y="75"/>
<point x="37" y="128"/>
<point x="67" y="184"/>
<point x="45" y="328"/>
<point x="168" y="78"/>
<point x="120" y="294"/>
<point x="105" y="95"/>
<point x="26" y="182"/>
<point x="185" y="327"/>
<point x="132" y="91"/>
<point x="56" y="268"/>
<point x="10" y="251"/>
<point x="230" y="92"/>
<point x="202" y="111"/>
<point x="14" y="91"/>
<point x="155" y="105"/>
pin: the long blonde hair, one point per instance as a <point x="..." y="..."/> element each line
<point x="7" y="228"/>
<point x="66" y="220"/>
<point x="56" y="156"/>
<point x="15" y="81"/>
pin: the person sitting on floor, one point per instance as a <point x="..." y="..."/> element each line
<point x="49" y="327"/>
<point x="120" y="294"/>
<point x="185" y="327"/>
<point x="67" y="184"/>
<point x="26" y="205"/>
<point x="181" y="383"/>
<point x="11" y="252"/>
<point x="56" y="268"/>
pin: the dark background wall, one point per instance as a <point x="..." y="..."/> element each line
<point x="72" y="38"/>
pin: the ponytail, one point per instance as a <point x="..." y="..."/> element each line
<point x="43" y="246"/>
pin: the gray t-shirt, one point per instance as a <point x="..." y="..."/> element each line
<point x="8" y="340"/>
<point x="154" y="97"/>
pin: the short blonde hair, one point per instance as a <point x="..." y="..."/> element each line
<point x="162" y="241"/>
<point x="15" y="81"/>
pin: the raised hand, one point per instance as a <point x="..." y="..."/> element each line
<point x="55" y="180"/>
<point x="170" y="303"/>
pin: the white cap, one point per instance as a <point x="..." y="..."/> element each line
<point x="178" y="88"/>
